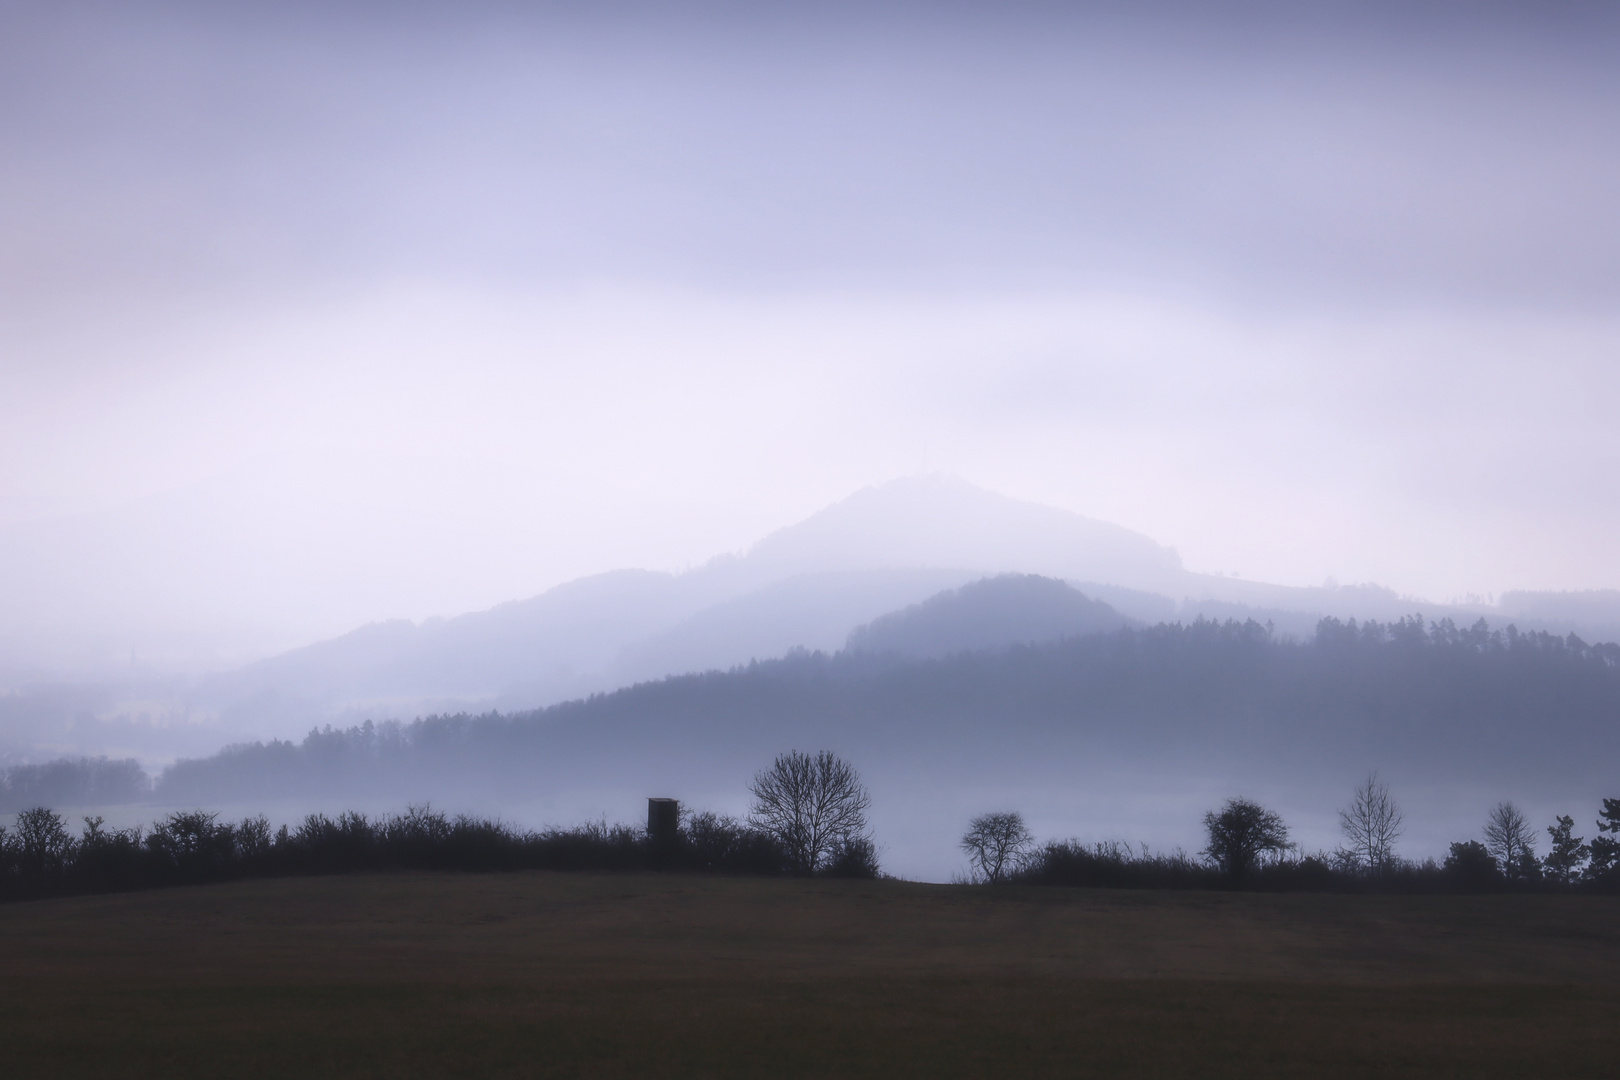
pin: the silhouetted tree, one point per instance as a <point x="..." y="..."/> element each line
<point x="44" y="844"/>
<point x="997" y="845"/>
<point x="194" y="842"/>
<point x="1567" y="854"/>
<point x="1604" y="866"/>
<point x="254" y="841"/>
<point x="1240" y="834"/>
<point x="1509" y="838"/>
<point x="1471" y="867"/>
<point x="1371" y="824"/>
<point x="810" y="805"/>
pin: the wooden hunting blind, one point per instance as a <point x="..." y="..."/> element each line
<point x="663" y="820"/>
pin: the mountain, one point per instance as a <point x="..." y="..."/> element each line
<point x="993" y="613"/>
<point x="944" y="521"/>
<point x="810" y="585"/>
<point x="805" y="586"/>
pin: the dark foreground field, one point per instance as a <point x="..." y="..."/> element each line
<point x="539" y="974"/>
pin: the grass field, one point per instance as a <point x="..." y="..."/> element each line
<point x="539" y="974"/>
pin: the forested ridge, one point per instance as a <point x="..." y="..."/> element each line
<point x="1460" y="700"/>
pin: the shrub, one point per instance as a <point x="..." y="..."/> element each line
<point x="1471" y="867"/>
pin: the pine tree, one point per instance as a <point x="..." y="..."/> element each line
<point x="1563" y="862"/>
<point x="1605" y="850"/>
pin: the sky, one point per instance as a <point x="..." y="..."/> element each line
<point x="451" y="303"/>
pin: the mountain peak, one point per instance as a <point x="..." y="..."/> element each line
<point x="944" y="521"/>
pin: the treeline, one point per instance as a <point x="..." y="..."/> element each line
<point x="1248" y="848"/>
<point x="1460" y="699"/>
<point x="1454" y="703"/>
<point x="1469" y="868"/>
<point x="40" y="856"/>
<point x="74" y="782"/>
<point x="808" y="819"/>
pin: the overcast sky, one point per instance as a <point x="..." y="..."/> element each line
<point x="1301" y="291"/>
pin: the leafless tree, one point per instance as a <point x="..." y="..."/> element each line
<point x="1508" y="836"/>
<point x="814" y="807"/>
<point x="43" y="841"/>
<point x="1371" y="825"/>
<point x="997" y="844"/>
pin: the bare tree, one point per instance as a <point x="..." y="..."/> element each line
<point x="43" y="841"/>
<point x="1241" y="833"/>
<point x="815" y="807"/>
<point x="1371" y="825"/>
<point x="997" y="844"/>
<point x="1508" y="836"/>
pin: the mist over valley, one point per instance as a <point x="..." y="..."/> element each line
<point x="798" y="540"/>
<point x="965" y="649"/>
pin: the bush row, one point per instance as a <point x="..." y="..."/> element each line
<point x="39" y="856"/>
<point x="1115" y="865"/>
<point x="1469" y="868"/>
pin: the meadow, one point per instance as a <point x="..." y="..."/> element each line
<point x="540" y="973"/>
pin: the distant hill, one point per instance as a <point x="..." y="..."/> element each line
<point x="994" y="613"/>
<point x="944" y="521"/>
<point x="805" y="586"/>
<point x="1593" y="613"/>
<point x="810" y="585"/>
<point x="1131" y="734"/>
<point x="1453" y="713"/>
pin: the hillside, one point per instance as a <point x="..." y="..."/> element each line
<point x="1131" y="734"/>
<point x="1441" y="701"/>
<point x="994" y="613"/>
<point x="808" y="586"/>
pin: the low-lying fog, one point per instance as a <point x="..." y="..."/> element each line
<point x="366" y="365"/>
